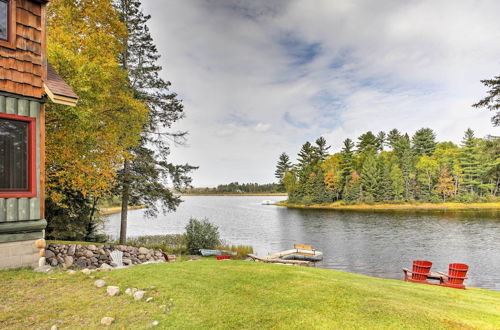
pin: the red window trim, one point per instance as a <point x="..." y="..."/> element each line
<point x="11" y="26"/>
<point x="31" y="191"/>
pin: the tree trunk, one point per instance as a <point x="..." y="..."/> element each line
<point x="90" y="226"/>
<point x="125" y="199"/>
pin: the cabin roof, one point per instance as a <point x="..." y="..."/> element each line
<point x="57" y="89"/>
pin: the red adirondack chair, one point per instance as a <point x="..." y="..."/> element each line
<point x="420" y="271"/>
<point x="455" y="277"/>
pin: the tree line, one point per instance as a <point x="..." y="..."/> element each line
<point x="116" y="141"/>
<point x="392" y="168"/>
<point x="239" y="188"/>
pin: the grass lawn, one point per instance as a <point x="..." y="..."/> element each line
<point x="240" y="294"/>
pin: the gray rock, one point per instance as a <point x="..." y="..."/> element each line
<point x="143" y="250"/>
<point x="86" y="271"/>
<point x="44" y="269"/>
<point x="105" y="267"/>
<point x="99" y="283"/>
<point x="53" y="262"/>
<point x="81" y="262"/>
<point x="92" y="247"/>
<point x="71" y="250"/>
<point x="68" y="261"/>
<point x="130" y="291"/>
<point x="139" y="295"/>
<point x="49" y="254"/>
<point x="127" y="261"/>
<point x="107" y="321"/>
<point x="88" y="254"/>
<point x="113" y="290"/>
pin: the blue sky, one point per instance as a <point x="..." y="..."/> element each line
<point x="258" y="78"/>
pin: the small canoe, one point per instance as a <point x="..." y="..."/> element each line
<point x="208" y="253"/>
<point x="268" y="202"/>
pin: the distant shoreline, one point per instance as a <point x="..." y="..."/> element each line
<point x="118" y="209"/>
<point x="494" y="206"/>
<point x="242" y="194"/>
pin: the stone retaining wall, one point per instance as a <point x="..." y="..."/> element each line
<point x="94" y="256"/>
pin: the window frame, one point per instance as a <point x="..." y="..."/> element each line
<point x="32" y="185"/>
<point x="11" y="25"/>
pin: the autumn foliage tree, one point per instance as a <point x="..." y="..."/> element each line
<point x="86" y="144"/>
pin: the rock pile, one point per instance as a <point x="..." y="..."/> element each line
<point x="94" y="256"/>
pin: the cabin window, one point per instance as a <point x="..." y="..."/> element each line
<point x="4" y="20"/>
<point x="17" y="156"/>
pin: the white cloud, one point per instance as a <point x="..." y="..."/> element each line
<point x="259" y="78"/>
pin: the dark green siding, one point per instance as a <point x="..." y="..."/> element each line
<point x="22" y="209"/>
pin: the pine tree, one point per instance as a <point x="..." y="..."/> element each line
<point x="369" y="178"/>
<point x="284" y="165"/>
<point x="322" y="148"/>
<point x="469" y="162"/>
<point x="393" y="138"/>
<point x="308" y="157"/>
<point x="367" y="141"/>
<point x="424" y="142"/>
<point x="347" y="165"/>
<point x="492" y="101"/>
<point x="144" y="176"/>
<point x="381" y="140"/>
<point x="403" y="151"/>
<point x="397" y="183"/>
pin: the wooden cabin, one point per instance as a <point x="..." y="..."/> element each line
<point x="26" y="83"/>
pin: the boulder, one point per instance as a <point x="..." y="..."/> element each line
<point x="88" y="254"/>
<point x="113" y="290"/>
<point x="44" y="269"/>
<point x="105" y="267"/>
<point x="68" y="261"/>
<point x="86" y="271"/>
<point x="107" y="321"/>
<point x="143" y="250"/>
<point x="150" y="299"/>
<point x="99" y="283"/>
<point x="130" y="291"/>
<point x="49" y="254"/>
<point x="53" y="262"/>
<point x="139" y="295"/>
<point x="71" y="250"/>
<point x="82" y="262"/>
<point x="92" y="247"/>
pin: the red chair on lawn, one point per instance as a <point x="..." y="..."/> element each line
<point x="455" y="277"/>
<point x="420" y="271"/>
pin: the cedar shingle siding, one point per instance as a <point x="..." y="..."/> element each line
<point x="21" y="68"/>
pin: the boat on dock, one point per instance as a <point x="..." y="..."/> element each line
<point x="300" y="255"/>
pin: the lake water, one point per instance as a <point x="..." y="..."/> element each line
<point x="371" y="243"/>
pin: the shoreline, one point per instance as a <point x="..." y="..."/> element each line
<point x="235" y="194"/>
<point x="118" y="209"/>
<point x="493" y="206"/>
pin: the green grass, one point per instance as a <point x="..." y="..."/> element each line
<point x="240" y="294"/>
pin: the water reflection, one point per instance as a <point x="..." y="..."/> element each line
<point x="370" y="243"/>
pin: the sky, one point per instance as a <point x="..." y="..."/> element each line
<point x="258" y="78"/>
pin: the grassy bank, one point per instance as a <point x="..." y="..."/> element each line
<point x="398" y="207"/>
<point x="242" y="194"/>
<point x="240" y="294"/>
<point x="117" y="209"/>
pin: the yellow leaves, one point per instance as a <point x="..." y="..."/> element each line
<point x="86" y="145"/>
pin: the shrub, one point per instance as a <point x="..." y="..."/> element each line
<point x="242" y="251"/>
<point x="175" y="243"/>
<point x="201" y="235"/>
